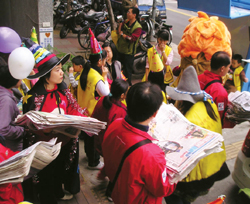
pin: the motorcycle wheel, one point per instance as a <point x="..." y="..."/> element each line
<point x="83" y="38"/>
<point x="64" y="32"/>
<point x="145" y="29"/>
<point x="170" y="37"/>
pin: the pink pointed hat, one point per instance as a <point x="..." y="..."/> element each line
<point x="95" y="46"/>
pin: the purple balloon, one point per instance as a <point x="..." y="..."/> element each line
<point x="9" y="40"/>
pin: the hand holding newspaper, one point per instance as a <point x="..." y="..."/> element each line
<point x="183" y="142"/>
<point x="68" y="125"/>
<point x="28" y="162"/>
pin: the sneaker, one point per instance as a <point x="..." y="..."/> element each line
<point x="67" y="196"/>
<point x="97" y="167"/>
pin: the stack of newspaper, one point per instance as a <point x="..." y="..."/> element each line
<point x="183" y="142"/>
<point x="69" y="125"/>
<point x="28" y="162"/>
<point x="239" y="106"/>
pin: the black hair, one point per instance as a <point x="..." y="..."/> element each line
<point x="163" y="34"/>
<point x="118" y="87"/>
<point x="6" y="79"/>
<point x="135" y="11"/>
<point x="43" y="80"/>
<point x="113" y="49"/>
<point x="93" y="60"/>
<point x="143" y="100"/>
<point x="220" y="59"/>
<point x="78" y="60"/>
<point x="237" y="57"/>
<point x="184" y="106"/>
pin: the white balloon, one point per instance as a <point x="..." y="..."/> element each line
<point x="21" y="62"/>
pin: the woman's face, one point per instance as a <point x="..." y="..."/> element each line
<point x="109" y="53"/>
<point x="56" y="75"/>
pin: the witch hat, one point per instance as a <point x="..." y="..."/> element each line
<point x="45" y="60"/>
<point x="95" y="47"/>
<point x="33" y="35"/>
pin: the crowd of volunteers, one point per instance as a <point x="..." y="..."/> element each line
<point x="101" y="87"/>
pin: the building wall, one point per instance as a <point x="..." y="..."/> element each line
<point x="22" y="15"/>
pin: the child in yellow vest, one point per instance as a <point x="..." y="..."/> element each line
<point x="159" y="58"/>
<point x="74" y="73"/>
<point x="239" y="73"/>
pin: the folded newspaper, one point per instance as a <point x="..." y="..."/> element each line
<point x="68" y="125"/>
<point x="239" y="106"/>
<point x="28" y="162"/>
<point x="183" y="142"/>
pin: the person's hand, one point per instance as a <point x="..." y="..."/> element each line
<point x="120" y="33"/>
<point x="71" y="70"/>
<point x="136" y="6"/>
<point x="246" y="80"/>
<point x="104" y="72"/>
<point x="162" y="46"/>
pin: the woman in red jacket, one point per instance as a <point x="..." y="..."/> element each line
<point x="109" y="108"/>
<point x="9" y="193"/>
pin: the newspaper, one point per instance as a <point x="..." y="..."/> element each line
<point x="68" y="125"/>
<point x="29" y="161"/>
<point x="183" y="142"/>
<point x="239" y="106"/>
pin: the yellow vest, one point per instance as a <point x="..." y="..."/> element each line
<point x="72" y="89"/>
<point x="27" y="83"/>
<point x="168" y="77"/>
<point x="236" y="77"/>
<point x="86" y="99"/>
<point x="212" y="163"/>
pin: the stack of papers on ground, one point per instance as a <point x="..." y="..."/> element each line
<point x="69" y="125"/>
<point x="239" y="106"/>
<point x="183" y="142"/>
<point x="28" y="162"/>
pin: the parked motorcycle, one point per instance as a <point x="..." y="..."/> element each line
<point x="140" y="56"/>
<point x="74" y="20"/>
<point x="99" y="24"/>
<point x="146" y="22"/>
<point x="59" y="9"/>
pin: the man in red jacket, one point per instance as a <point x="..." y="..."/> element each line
<point x="211" y="82"/>
<point x="143" y="176"/>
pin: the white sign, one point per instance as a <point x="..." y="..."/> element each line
<point x="46" y="37"/>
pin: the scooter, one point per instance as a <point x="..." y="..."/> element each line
<point x="59" y="10"/>
<point x="146" y="22"/>
<point x="140" y="56"/>
<point x="74" y="20"/>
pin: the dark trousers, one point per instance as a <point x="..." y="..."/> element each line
<point x="128" y="62"/>
<point x="174" y="199"/>
<point x="50" y="180"/>
<point x="89" y="147"/>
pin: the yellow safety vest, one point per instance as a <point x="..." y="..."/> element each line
<point x="27" y="83"/>
<point x="236" y="77"/>
<point x="86" y="99"/>
<point x="212" y="163"/>
<point x="168" y="77"/>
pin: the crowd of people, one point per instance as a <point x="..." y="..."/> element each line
<point x="101" y="87"/>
